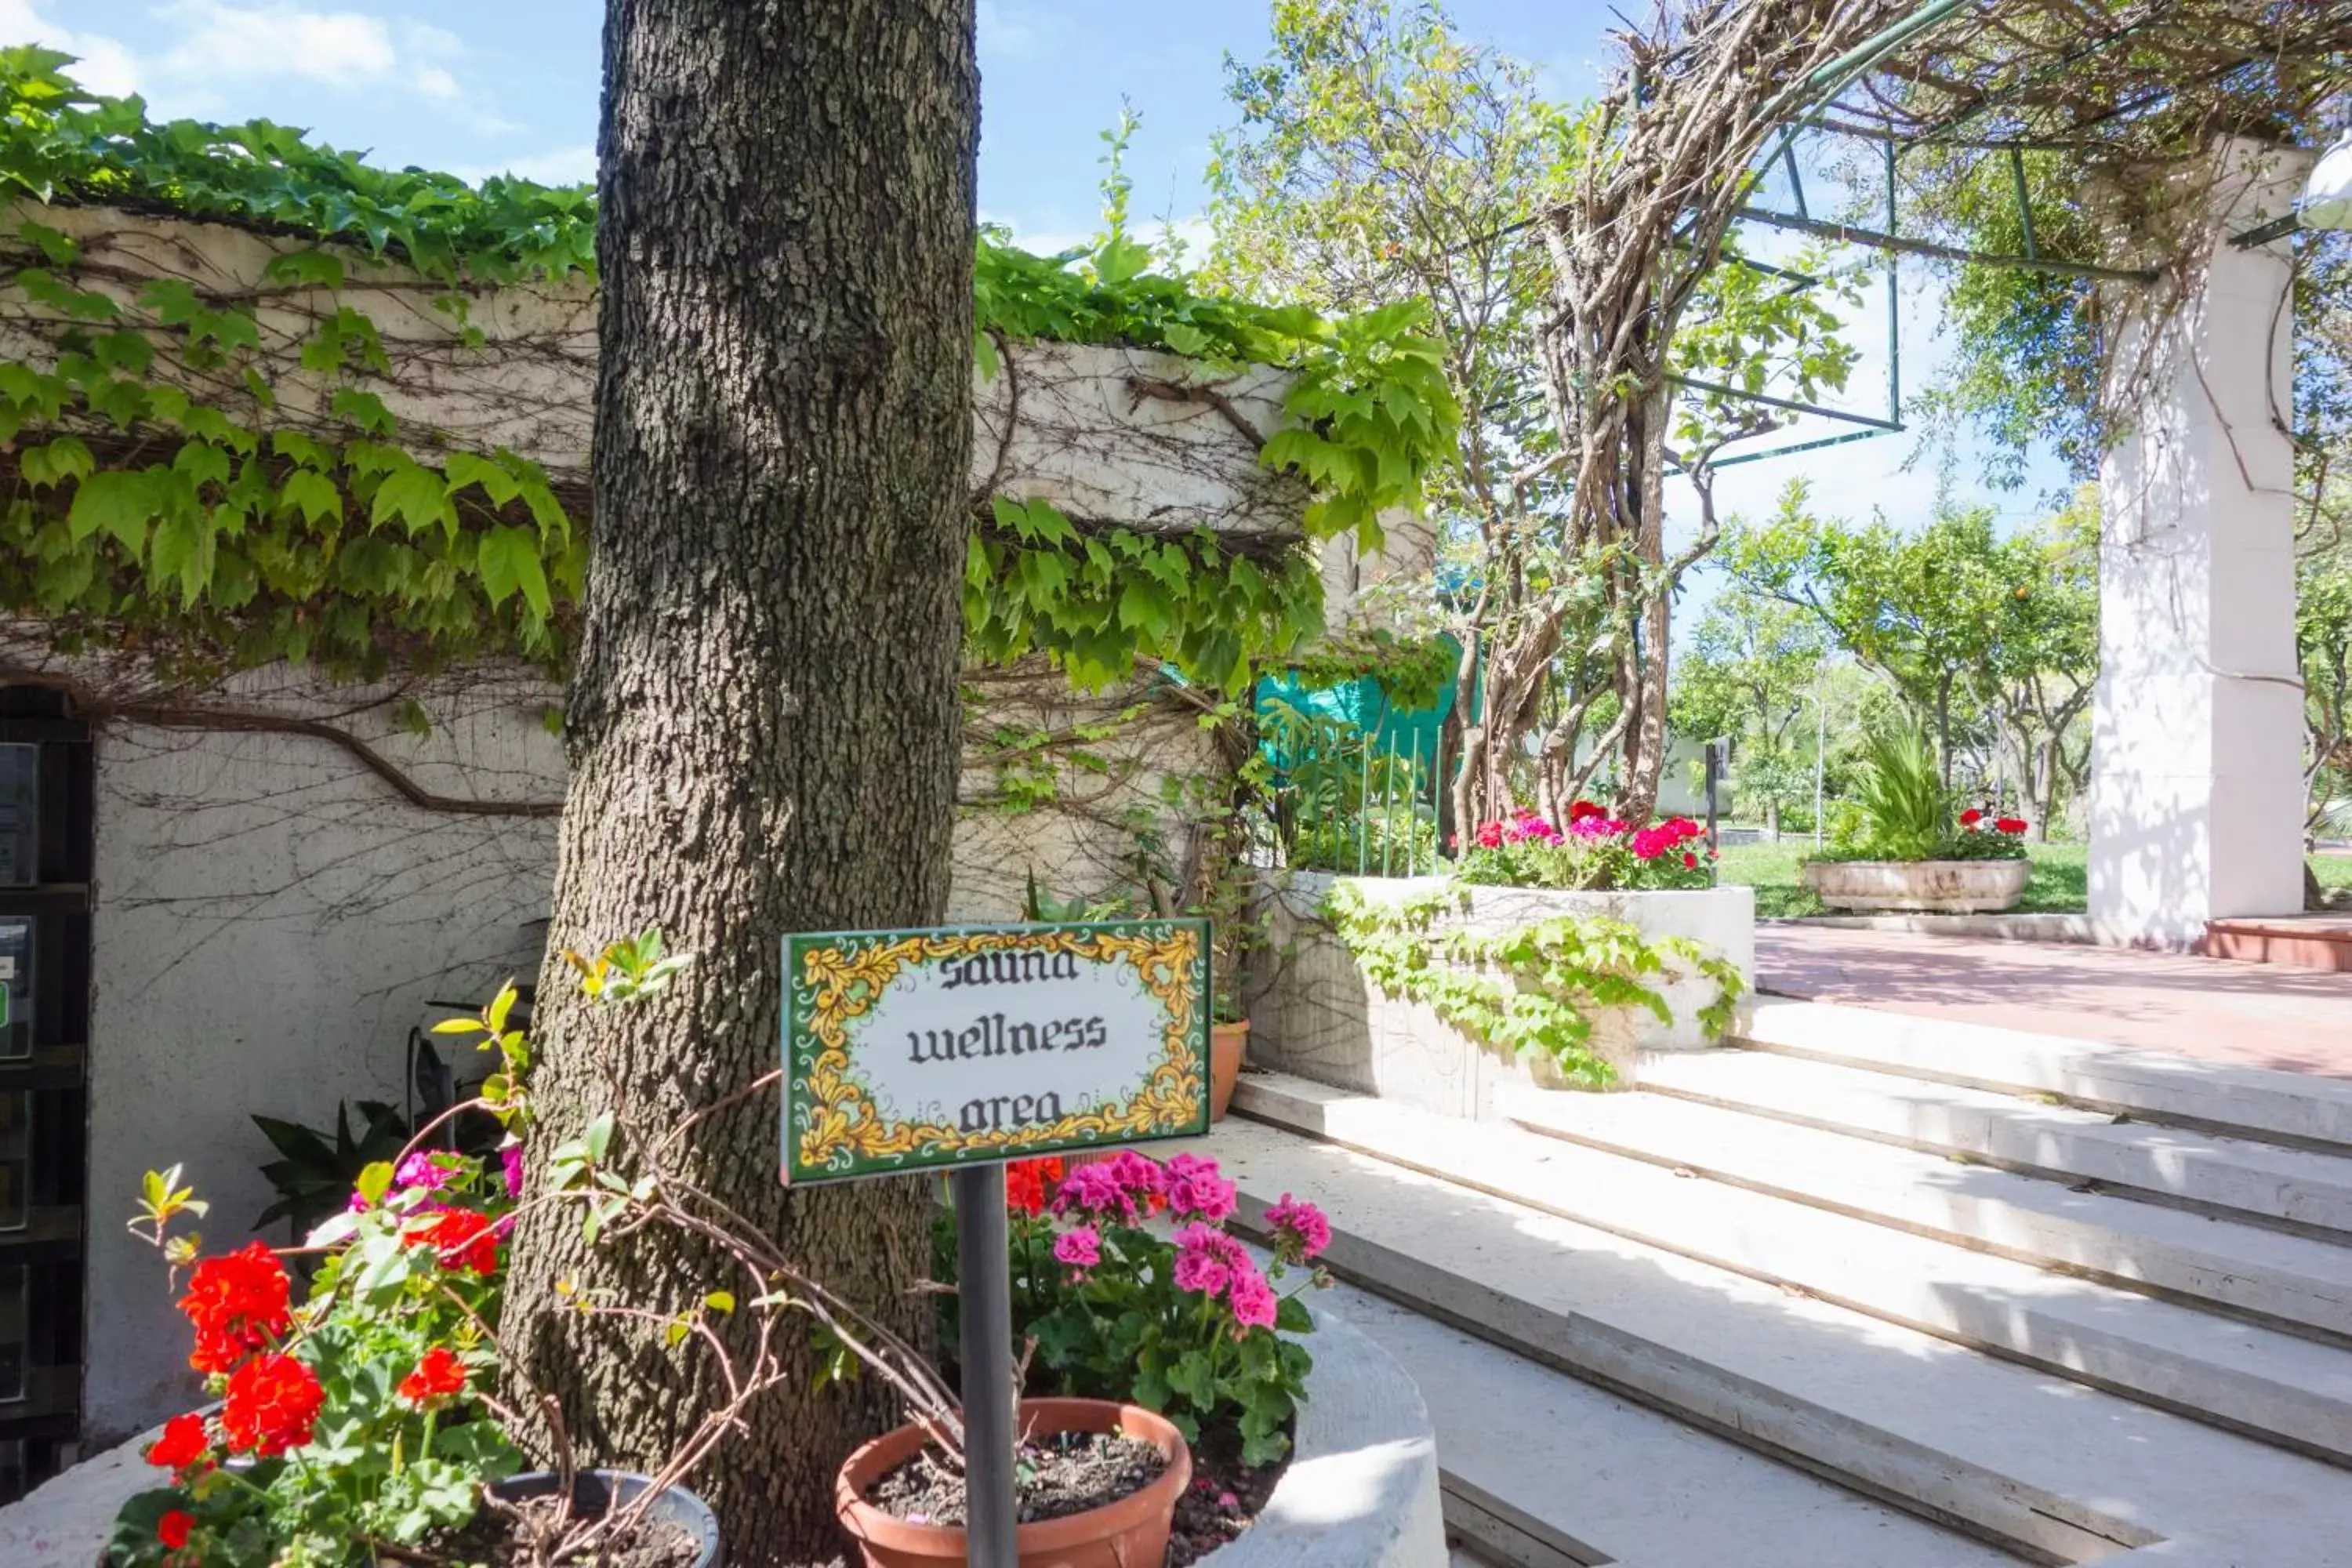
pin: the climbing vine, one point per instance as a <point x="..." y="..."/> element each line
<point x="210" y="469"/>
<point x="1533" y="990"/>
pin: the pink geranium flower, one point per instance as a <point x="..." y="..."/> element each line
<point x="1253" y="1300"/>
<point x="1207" y="1260"/>
<point x="422" y="1169"/>
<point x="1300" y="1229"/>
<point x="1080" y="1249"/>
<point x="1195" y="1190"/>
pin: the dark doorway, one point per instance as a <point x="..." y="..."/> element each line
<point x="47" y="806"/>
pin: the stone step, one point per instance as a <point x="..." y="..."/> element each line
<point x="2245" y="1270"/>
<point x="2278" y="1386"/>
<point x="2059" y="1471"/>
<point x="1541" y="1470"/>
<point x="2301" y="1188"/>
<point x="2300" y="1109"/>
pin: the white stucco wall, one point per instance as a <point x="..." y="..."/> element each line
<point x="269" y="923"/>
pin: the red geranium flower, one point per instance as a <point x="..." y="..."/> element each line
<point x="1690" y="861"/>
<point x="238" y="1304"/>
<point x="1490" y="835"/>
<point x="271" y="1406"/>
<point x="1970" y="817"/>
<point x="438" y="1374"/>
<point x="1028" y="1183"/>
<point x="182" y="1443"/>
<point x="173" y="1528"/>
<point x="2010" y="825"/>
<point x="1578" y="811"/>
<point x="463" y="1239"/>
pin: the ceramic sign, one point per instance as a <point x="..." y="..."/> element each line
<point x="905" y="1050"/>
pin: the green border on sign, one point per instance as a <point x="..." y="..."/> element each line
<point x="832" y="1133"/>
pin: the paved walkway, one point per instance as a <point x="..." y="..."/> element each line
<point x="2253" y="1014"/>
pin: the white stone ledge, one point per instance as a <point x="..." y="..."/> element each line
<point x="1362" y="1487"/>
<point x="1362" y="1490"/>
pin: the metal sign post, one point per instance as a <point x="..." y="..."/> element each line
<point x="984" y="1304"/>
<point x="964" y="1048"/>
<point x="1715" y="751"/>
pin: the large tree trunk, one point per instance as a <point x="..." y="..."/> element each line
<point x="764" y="718"/>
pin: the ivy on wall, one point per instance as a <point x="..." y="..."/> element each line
<point x="1532" y="991"/>
<point x="158" y="500"/>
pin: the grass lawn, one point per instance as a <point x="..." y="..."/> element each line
<point x="2060" y="884"/>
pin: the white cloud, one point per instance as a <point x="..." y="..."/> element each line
<point x="197" y="45"/>
<point x="560" y="166"/>
<point x="106" y="65"/>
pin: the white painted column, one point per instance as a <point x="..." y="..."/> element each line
<point x="2197" y="799"/>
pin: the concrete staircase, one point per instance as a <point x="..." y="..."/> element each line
<point x="2078" y="1303"/>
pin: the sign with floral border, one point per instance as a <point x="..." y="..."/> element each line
<point x="917" y="1049"/>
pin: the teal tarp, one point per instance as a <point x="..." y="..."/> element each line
<point x="1362" y="703"/>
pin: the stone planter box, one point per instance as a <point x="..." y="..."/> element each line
<point x="1313" y="1013"/>
<point x="1934" y="887"/>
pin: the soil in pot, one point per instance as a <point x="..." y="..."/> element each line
<point x="525" y="1514"/>
<point x="1223" y="1501"/>
<point x="503" y="1540"/>
<point x="1068" y="1473"/>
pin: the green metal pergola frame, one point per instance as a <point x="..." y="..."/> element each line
<point x="1812" y="107"/>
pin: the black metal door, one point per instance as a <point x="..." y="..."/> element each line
<point x="46" y="868"/>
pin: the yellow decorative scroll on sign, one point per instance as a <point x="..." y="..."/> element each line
<point x="905" y="1050"/>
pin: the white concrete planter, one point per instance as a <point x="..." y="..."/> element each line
<point x="1362" y="1487"/>
<point x="1362" y="1490"/>
<point x="1313" y="1013"/>
<point x="1934" y="887"/>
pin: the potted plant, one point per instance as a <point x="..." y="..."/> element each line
<point x="361" y="1425"/>
<point x="1146" y="1320"/>
<point x="1086" y="1448"/>
<point x="1228" y="1049"/>
<point x="1903" y="847"/>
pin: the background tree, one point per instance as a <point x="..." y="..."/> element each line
<point x="764" y="725"/>
<point x="1380" y="157"/>
<point x="2323" y="638"/>
<point x="1752" y="665"/>
<point x="1964" y="623"/>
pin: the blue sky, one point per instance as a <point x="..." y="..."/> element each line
<point x="512" y="84"/>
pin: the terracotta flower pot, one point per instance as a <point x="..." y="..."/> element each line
<point x="1129" y="1533"/>
<point x="1227" y="1044"/>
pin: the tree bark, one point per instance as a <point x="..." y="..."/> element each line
<point x="764" y="724"/>
<point x="1645" y="738"/>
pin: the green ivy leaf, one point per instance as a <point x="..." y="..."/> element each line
<point x="65" y="458"/>
<point x="306" y="268"/>
<point x="508" y="562"/>
<point x="201" y="463"/>
<point x="116" y="503"/>
<point x="363" y="410"/>
<point x="311" y="493"/>
<point x="183" y="550"/>
<point x="416" y="496"/>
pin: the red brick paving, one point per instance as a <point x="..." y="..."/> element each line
<point x="2247" y="1013"/>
